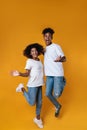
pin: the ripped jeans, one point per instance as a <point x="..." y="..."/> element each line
<point x="54" y="88"/>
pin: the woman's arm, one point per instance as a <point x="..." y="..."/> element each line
<point x="17" y="73"/>
<point x="26" y="74"/>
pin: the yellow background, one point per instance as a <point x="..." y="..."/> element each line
<point x="21" y="22"/>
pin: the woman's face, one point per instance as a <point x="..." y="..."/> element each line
<point x="34" y="53"/>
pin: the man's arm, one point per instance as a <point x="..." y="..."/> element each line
<point x="43" y="51"/>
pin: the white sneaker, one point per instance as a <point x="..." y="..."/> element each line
<point x="19" y="88"/>
<point x="38" y="122"/>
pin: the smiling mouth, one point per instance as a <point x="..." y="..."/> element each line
<point x="47" y="40"/>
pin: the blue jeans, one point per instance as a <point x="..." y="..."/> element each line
<point x="34" y="96"/>
<point x="54" y="88"/>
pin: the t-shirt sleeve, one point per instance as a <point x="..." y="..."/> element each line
<point x="28" y="65"/>
<point x="59" y="51"/>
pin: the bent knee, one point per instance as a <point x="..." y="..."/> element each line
<point x="32" y="103"/>
<point x="48" y="94"/>
<point x="57" y="95"/>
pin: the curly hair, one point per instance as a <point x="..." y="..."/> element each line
<point x="27" y="50"/>
<point x="48" y="30"/>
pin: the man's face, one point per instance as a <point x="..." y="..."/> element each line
<point x="47" y="38"/>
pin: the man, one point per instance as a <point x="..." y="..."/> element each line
<point x="53" y="58"/>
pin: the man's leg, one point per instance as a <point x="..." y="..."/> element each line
<point x="59" y="83"/>
<point x="49" y="90"/>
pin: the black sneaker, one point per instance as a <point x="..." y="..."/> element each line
<point x="57" y="111"/>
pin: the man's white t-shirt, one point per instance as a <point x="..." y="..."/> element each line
<point x="51" y="67"/>
<point x="36" y="73"/>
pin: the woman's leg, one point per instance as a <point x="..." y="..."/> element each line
<point x="34" y="95"/>
<point x="38" y="102"/>
<point x="31" y="95"/>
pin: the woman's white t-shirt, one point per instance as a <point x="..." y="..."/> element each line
<point x="36" y="73"/>
<point x="53" y="68"/>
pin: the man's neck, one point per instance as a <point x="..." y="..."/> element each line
<point x="49" y="44"/>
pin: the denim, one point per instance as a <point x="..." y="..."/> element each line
<point x="34" y="96"/>
<point x="54" y="88"/>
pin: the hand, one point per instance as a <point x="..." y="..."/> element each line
<point x="15" y="73"/>
<point x="57" y="59"/>
<point x="44" y="50"/>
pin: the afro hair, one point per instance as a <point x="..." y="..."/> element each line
<point x="27" y="50"/>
